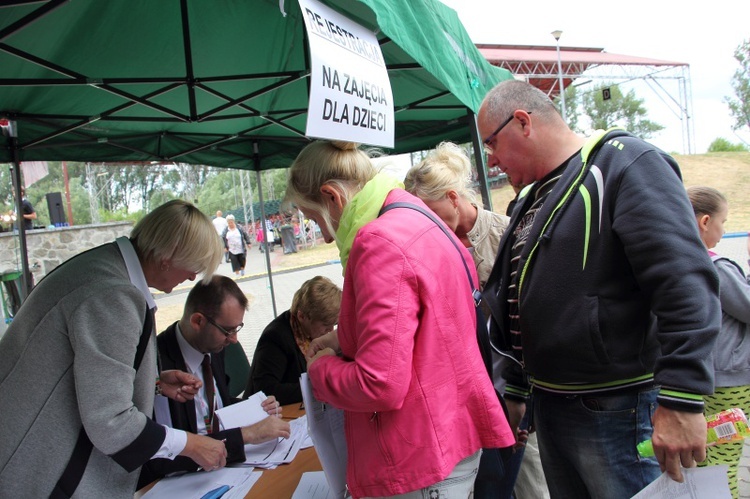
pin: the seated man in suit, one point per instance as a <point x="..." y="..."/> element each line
<point x="210" y="321"/>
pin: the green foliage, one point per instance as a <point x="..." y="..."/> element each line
<point x="121" y="216"/>
<point x="624" y="110"/>
<point x="111" y="192"/>
<point x="720" y="144"/>
<point x="740" y="106"/>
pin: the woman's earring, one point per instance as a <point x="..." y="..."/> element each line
<point x="164" y="267"/>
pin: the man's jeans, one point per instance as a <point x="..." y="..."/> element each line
<point x="588" y="443"/>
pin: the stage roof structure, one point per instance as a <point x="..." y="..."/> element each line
<point x="670" y="80"/>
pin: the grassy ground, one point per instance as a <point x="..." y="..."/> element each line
<point x="728" y="172"/>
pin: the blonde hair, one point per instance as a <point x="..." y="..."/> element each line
<point x="177" y="231"/>
<point x="339" y="164"/>
<point x="444" y="169"/>
<point x="319" y="299"/>
<point x="706" y="200"/>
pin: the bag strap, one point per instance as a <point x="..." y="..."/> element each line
<point x="483" y="336"/>
<point x="73" y="473"/>
<point x="476" y="294"/>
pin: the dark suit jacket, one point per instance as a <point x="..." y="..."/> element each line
<point x="277" y="363"/>
<point x="183" y="414"/>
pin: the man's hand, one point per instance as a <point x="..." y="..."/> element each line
<point x="209" y="453"/>
<point x="265" y="430"/>
<point x="679" y="438"/>
<point x="271" y="406"/>
<point x="516" y="410"/>
<point x="328" y="340"/>
<point x="179" y="385"/>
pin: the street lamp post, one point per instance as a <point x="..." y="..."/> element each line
<point x="557" y="33"/>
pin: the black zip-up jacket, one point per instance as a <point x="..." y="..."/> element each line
<point x="615" y="288"/>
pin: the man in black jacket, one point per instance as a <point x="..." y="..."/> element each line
<point x="605" y="295"/>
<point x="210" y="322"/>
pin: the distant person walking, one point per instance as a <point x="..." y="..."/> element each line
<point x="236" y="242"/>
<point x="220" y="223"/>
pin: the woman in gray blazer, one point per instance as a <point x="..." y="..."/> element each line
<point x="78" y="365"/>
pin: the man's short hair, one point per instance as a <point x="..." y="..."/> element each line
<point x="207" y="298"/>
<point x="510" y="95"/>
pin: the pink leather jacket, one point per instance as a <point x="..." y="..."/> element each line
<point x="416" y="395"/>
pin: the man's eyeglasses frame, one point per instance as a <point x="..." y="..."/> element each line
<point x="232" y="332"/>
<point x="488" y="149"/>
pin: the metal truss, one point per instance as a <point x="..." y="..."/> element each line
<point x="669" y="81"/>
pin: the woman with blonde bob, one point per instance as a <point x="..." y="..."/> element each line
<point x="78" y="367"/>
<point x="404" y="364"/>
<point x="279" y="358"/>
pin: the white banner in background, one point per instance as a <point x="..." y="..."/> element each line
<point x="350" y="93"/>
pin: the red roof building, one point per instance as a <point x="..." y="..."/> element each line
<point x="580" y="65"/>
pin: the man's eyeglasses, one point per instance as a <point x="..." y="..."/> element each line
<point x="230" y="332"/>
<point x="488" y="149"/>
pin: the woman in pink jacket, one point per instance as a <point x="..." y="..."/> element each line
<point x="404" y="364"/>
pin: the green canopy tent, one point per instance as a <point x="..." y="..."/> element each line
<point x="215" y="82"/>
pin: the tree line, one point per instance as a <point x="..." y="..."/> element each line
<point x="102" y="192"/>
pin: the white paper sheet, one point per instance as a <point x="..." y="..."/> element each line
<point x="195" y="485"/>
<point x="243" y="413"/>
<point x="326" y="428"/>
<point x="700" y="483"/>
<point x="277" y="451"/>
<point x="313" y="485"/>
<point x="302" y="422"/>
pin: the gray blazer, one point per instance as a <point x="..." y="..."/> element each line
<point x="66" y="361"/>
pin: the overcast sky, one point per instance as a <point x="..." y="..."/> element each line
<point x="702" y="34"/>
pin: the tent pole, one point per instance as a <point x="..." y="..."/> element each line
<point x="26" y="281"/>
<point x="476" y="142"/>
<point x="256" y="164"/>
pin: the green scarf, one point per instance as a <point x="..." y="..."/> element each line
<point x="362" y="209"/>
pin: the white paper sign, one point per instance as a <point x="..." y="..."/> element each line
<point x="350" y="93"/>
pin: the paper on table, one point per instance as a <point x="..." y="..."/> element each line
<point x="195" y="485"/>
<point x="326" y="427"/>
<point x="277" y="451"/>
<point x="243" y="413"/>
<point x="313" y="485"/>
<point x="302" y="422"/>
<point x="700" y="483"/>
